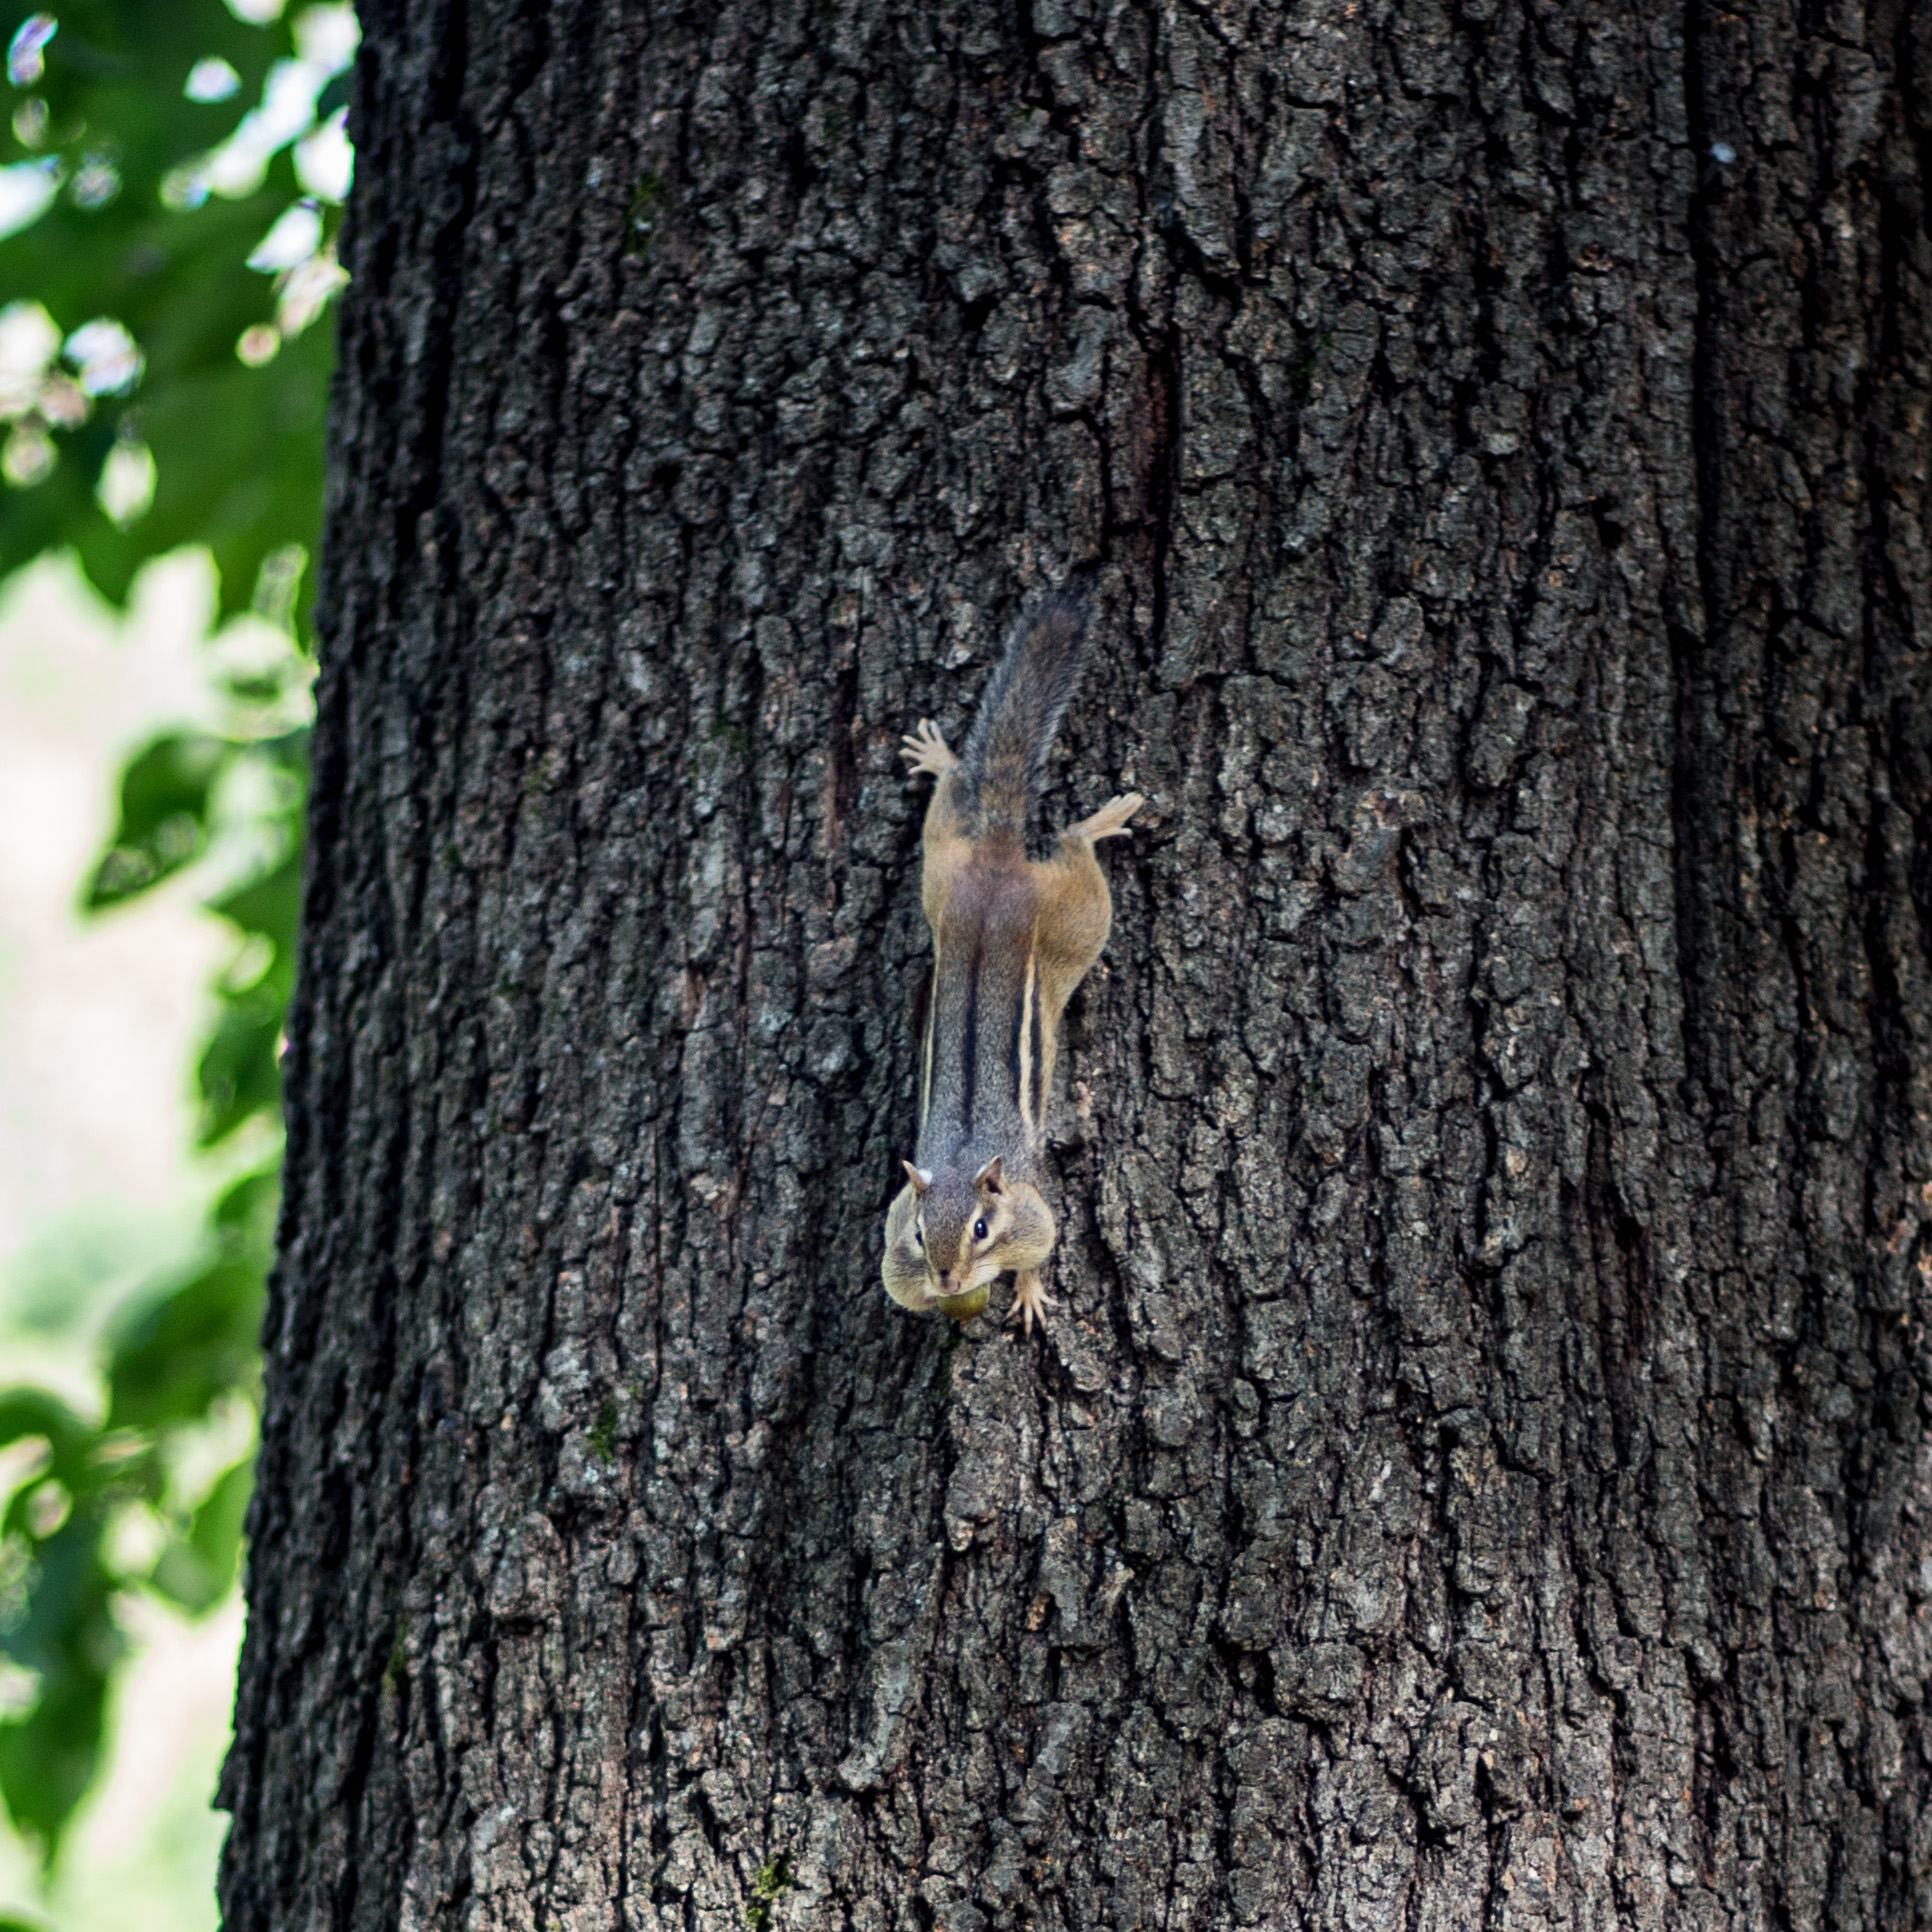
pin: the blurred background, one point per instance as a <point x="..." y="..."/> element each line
<point x="99" y="1019"/>
<point x="171" y="177"/>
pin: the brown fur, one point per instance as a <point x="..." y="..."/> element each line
<point x="1012" y="938"/>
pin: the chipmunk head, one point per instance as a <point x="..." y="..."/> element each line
<point x="958" y="1225"/>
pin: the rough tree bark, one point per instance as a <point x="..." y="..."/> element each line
<point x="1478" y="1475"/>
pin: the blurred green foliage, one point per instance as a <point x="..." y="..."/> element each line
<point x="156" y="202"/>
<point x="101" y="1504"/>
<point x="170" y="179"/>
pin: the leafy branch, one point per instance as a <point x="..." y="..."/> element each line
<point x="185" y="1353"/>
<point x="170" y="188"/>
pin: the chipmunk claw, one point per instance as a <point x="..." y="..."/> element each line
<point x="1030" y="1301"/>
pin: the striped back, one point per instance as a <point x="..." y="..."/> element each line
<point x="982" y="1084"/>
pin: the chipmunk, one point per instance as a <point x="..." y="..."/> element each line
<point x="1011" y="938"/>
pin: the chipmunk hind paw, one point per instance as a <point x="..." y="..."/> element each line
<point x="927" y="750"/>
<point x="1111" y="819"/>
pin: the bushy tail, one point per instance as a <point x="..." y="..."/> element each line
<point x="1006" y="751"/>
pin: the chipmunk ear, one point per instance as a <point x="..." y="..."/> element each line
<point x="918" y="1176"/>
<point x="988" y="1176"/>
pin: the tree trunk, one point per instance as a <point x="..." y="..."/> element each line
<point x="1476" y="1475"/>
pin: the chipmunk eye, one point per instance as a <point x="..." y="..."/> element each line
<point x="979" y="1230"/>
<point x="918" y="1238"/>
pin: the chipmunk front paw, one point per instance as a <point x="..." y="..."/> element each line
<point x="1029" y="1301"/>
<point x="926" y="750"/>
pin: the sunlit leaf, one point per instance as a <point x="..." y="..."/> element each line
<point x="198" y="1570"/>
<point x="165" y="792"/>
<point x="38" y="1412"/>
<point x="134" y="98"/>
<point x="240" y="1074"/>
<point x="191" y="1345"/>
<point x="270" y="905"/>
<point x="240" y="1071"/>
<point x="246" y="1212"/>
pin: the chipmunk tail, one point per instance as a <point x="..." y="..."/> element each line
<point x="1006" y="751"/>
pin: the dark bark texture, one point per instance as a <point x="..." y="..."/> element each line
<point x="1479" y="1474"/>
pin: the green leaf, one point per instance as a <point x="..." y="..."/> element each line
<point x="49" y="1756"/>
<point x="217" y="1534"/>
<point x="67" y="1635"/>
<point x="165" y="792"/>
<point x="66" y="1626"/>
<point x="240" y="1073"/>
<point x="198" y="1570"/>
<point x="181" y="1352"/>
<point x="270" y="905"/>
<point x="247" y="1211"/>
<point x="34" y="1412"/>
